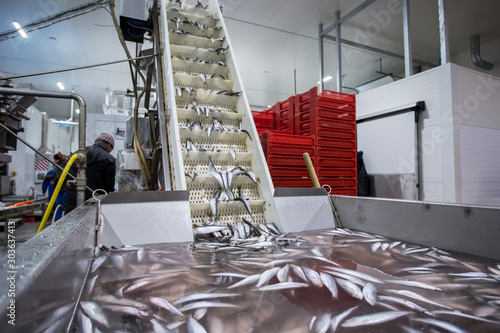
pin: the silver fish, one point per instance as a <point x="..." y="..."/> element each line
<point x="416" y="296"/>
<point x="200" y="296"/>
<point x="370" y="293"/>
<point x="375" y="246"/>
<point x="130" y="310"/>
<point x="334" y="323"/>
<point x="329" y="282"/>
<point x="323" y="323"/>
<point x="84" y="322"/>
<point x="209" y="229"/>
<point x="415" y="284"/>
<point x="246" y="281"/>
<point x="110" y="299"/>
<point x="207" y="304"/>
<point x="441" y="324"/>
<point x="463" y="315"/>
<point x="282" y="274"/>
<point x="374" y="318"/>
<point x="350" y="288"/>
<point x="194" y="326"/>
<point x="266" y="276"/>
<point x="313" y="276"/>
<point x="403" y="302"/>
<point x="158" y="327"/>
<point x="98" y="263"/>
<point x="94" y="311"/>
<point x="356" y="273"/>
<point x="283" y="286"/>
<point x="199" y="313"/>
<point x="299" y="272"/>
<point x="163" y="303"/>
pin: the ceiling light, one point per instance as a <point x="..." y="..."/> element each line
<point x="326" y="78"/>
<point x="21" y="31"/>
<point x="60" y="85"/>
<point x="77" y="111"/>
<point x="269" y="106"/>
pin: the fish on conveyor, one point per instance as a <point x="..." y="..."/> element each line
<point x="241" y="130"/>
<point x="94" y="311"/>
<point x="244" y="200"/>
<point x="203" y="230"/>
<point x="193" y="326"/>
<point x="415" y="284"/>
<point x="322" y="324"/>
<point x="129" y="310"/>
<point x="163" y="303"/>
<point x="158" y="327"/>
<point x="283" y="286"/>
<point x="441" y="324"/>
<point x="191" y="175"/>
<point x="313" y="276"/>
<point x="417" y="297"/>
<point x="375" y="318"/>
<point x="207" y="304"/>
<point x="370" y="293"/>
<point x="246" y="281"/>
<point x="404" y="302"/>
<point x="329" y="282"/>
<point x="266" y="276"/>
<point x="334" y="323"/>
<point x="202" y="296"/>
<point x="358" y="274"/>
<point x="350" y="288"/>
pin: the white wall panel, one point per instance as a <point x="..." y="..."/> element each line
<point x="480" y="160"/>
<point x="476" y="98"/>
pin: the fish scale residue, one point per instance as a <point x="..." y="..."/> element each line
<point x="284" y="284"/>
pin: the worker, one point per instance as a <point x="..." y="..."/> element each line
<point x="100" y="169"/>
<point x="50" y="183"/>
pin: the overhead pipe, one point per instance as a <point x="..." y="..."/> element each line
<point x="475" y="53"/>
<point x="81" y="178"/>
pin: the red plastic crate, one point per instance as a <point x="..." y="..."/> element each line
<point x="336" y="143"/>
<point x="292" y="182"/>
<point x="312" y="122"/>
<point x="344" y="191"/>
<point x="327" y="152"/>
<point x="338" y="96"/>
<point x="310" y="100"/>
<point x="339" y="182"/>
<point x="330" y="133"/>
<point x="282" y="149"/>
<point x="336" y="162"/>
<point x="288" y="172"/>
<point x="287" y="137"/>
<point x="284" y="112"/>
<point x="285" y="160"/>
<point x="264" y="119"/>
<point x="330" y="172"/>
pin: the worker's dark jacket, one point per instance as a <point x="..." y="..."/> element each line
<point x="100" y="173"/>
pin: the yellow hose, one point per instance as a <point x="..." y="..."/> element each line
<point x="56" y="192"/>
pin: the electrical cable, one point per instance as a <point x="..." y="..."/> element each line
<point x="56" y="18"/>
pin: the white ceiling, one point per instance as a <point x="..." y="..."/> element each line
<point x="271" y="40"/>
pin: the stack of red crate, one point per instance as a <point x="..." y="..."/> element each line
<point x="284" y="113"/>
<point x="331" y="117"/>
<point x="284" y="154"/>
<point x="264" y="120"/>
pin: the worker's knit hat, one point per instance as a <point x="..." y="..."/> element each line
<point x="106" y="137"/>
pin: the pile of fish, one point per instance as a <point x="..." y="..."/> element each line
<point x="300" y="284"/>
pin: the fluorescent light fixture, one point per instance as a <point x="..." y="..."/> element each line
<point x="60" y="85"/>
<point x="269" y="106"/>
<point x="326" y="78"/>
<point x="64" y="123"/>
<point x="77" y="111"/>
<point x="21" y="31"/>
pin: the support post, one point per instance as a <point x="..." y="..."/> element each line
<point x="407" y="38"/>
<point x="339" y="51"/>
<point x="321" y="59"/>
<point x="443" y="31"/>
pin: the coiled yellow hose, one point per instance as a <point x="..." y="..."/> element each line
<point x="56" y="192"/>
